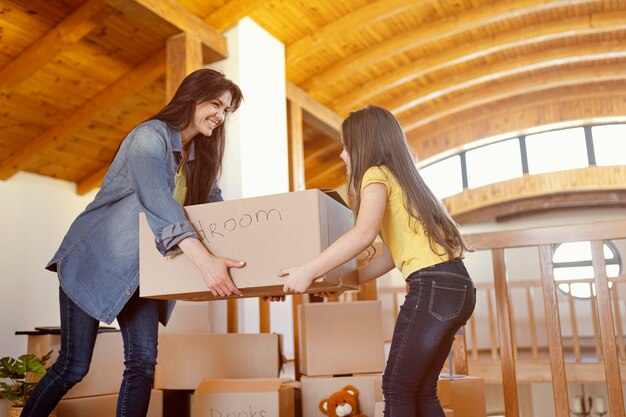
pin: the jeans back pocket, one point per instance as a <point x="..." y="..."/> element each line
<point x="446" y="300"/>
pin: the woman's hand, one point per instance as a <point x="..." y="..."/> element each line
<point x="299" y="278"/>
<point x="272" y="298"/>
<point x="330" y="294"/>
<point x="215" y="274"/>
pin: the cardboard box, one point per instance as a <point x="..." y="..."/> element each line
<point x="106" y="368"/>
<point x="269" y="233"/>
<point x="264" y="397"/>
<point x="186" y="359"/>
<point x="341" y="338"/>
<point x="379" y="408"/>
<point x="465" y="396"/>
<point x="104" y="406"/>
<point x="317" y="388"/>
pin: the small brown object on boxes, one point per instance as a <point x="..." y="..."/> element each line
<point x="343" y="403"/>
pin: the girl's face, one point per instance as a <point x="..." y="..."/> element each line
<point x="210" y="114"/>
<point x="346" y="159"/>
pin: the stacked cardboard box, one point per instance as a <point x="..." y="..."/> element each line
<point x="251" y="397"/>
<point x="465" y="395"/>
<point x="340" y="344"/>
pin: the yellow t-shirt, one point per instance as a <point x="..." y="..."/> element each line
<point x="180" y="183"/>
<point x="409" y="246"/>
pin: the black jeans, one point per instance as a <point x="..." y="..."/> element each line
<point x="138" y="322"/>
<point x="440" y="300"/>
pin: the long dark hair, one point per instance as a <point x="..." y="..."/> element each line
<point x="200" y="86"/>
<point x="372" y="136"/>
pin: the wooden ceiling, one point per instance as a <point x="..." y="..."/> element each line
<point x="76" y="75"/>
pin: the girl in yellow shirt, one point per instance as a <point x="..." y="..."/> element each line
<point x="423" y="242"/>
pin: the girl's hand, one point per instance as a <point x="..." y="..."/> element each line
<point x="299" y="279"/>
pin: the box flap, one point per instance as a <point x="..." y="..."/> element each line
<point x="240" y="385"/>
<point x="334" y="195"/>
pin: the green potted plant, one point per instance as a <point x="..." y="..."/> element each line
<point x="23" y="373"/>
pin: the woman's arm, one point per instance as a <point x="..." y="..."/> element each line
<point x="369" y="219"/>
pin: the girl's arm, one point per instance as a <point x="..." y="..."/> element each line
<point x="348" y="246"/>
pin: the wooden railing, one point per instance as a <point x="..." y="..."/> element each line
<point x="604" y="318"/>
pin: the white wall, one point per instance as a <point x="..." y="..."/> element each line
<point x="36" y="213"/>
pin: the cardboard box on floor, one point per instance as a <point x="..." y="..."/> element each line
<point x="106" y="368"/>
<point x="186" y="359"/>
<point x="104" y="406"/>
<point x="465" y="396"/>
<point x="259" y="397"/>
<point x="317" y="388"/>
<point x="341" y="338"/>
<point x="269" y="233"/>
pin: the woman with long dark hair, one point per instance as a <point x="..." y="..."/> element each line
<point x="172" y="159"/>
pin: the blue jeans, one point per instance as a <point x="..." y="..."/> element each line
<point x="440" y="300"/>
<point x="138" y="322"/>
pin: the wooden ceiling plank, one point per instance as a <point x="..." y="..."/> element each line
<point x="315" y="108"/>
<point x="128" y="84"/>
<point x="69" y="31"/>
<point x="600" y="74"/>
<point x="335" y="30"/>
<point x="326" y="171"/>
<point x="232" y="12"/>
<point x="561" y="29"/>
<point x="501" y="70"/>
<point x="169" y="17"/>
<point x="469" y="20"/>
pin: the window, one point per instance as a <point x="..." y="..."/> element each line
<point x="572" y="261"/>
<point x="492" y="163"/>
<point x="444" y="178"/>
<point x="557" y="150"/>
<point x="609" y="144"/>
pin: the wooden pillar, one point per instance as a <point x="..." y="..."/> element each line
<point x="232" y="315"/>
<point x="555" y="339"/>
<point x="459" y="354"/>
<point x="297" y="299"/>
<point x="264" y="316"/>
<point x="183" y="56"/>
<point x="505" y="331"/>
<point x="607" y="332"/>
<point x="296" y="146"/>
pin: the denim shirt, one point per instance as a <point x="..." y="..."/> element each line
<point x="98" y="260"/>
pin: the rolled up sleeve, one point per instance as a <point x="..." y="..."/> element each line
<point x="148" y="174"/>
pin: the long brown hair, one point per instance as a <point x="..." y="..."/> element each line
<point x="200" y="86"/>
<point x="372" y="136"/>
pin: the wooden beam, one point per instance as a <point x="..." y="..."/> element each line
<point x="232" y="12"/>
<point x="335" y="30"/>
<point x="232" y="316"/>
<point x="495" y="73"/>
<point x="502" y="42"/>
<point x="553" y="327"/>
<point x="314" y="108"/>
<point x="169" y="17"/>
<point x="183" y="56"/>
<point x="540" y="81"/>
<point x="523" y="206"/>
<point x="68" y="32"/>
<point x="296" y="146"/>
<point x="607" y="332"/>
<point x="128" y="84"/>
<point x="570" y="106"/>
<point x="470" y="20"/>
<point x="264" y="316"/>
<point x="331" y="171"/>
<point x="91" y="181"/>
